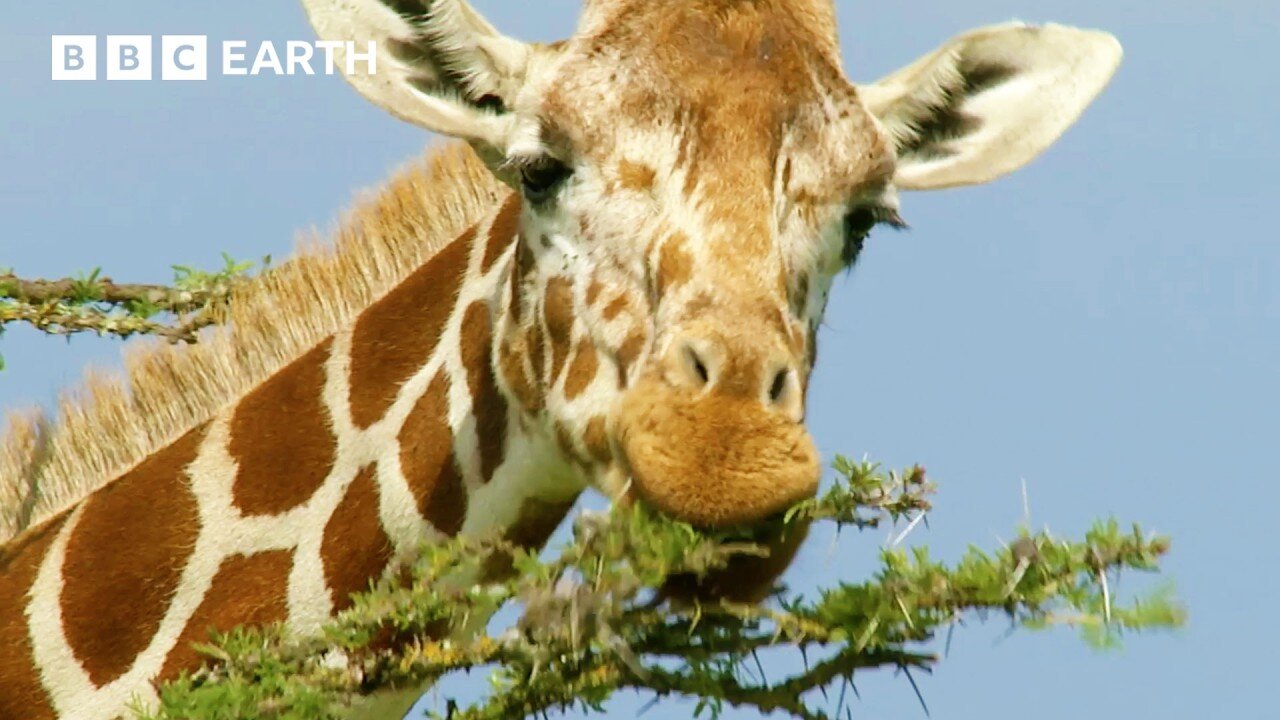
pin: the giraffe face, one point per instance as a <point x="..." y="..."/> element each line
<point x="693" y="217"/>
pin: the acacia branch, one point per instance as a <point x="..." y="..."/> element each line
<point x="589" y="626"/>
<point x="57" y="319"/>
<point x="105" y="290"/>
<point x="176" y="312"/>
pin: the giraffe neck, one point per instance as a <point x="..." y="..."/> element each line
<point x="393" y="432"/>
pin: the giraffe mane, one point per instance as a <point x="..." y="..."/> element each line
<point x="111" y="422"/>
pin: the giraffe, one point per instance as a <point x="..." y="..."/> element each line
<point x="615" y="282"/>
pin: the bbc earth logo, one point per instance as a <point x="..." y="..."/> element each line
<point x="186" y="57"/>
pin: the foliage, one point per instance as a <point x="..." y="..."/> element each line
<point x="92" y="303"/>
<point x="595" y="619"/>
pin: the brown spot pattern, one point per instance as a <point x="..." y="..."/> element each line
<point x="615" y="307"/>
<point x="125" y="558"/>
<point x="596" y="438"/>
<point x="524" y="267"/>
<point x="488" y="404"/>
<point x="446" y="507"/>
<point x="534" y="343"/>
<point x="636" y="176"/>
<point x="511" y="364"/>
<point x="355" y="548"/>
<point x="628" y="353"/>
<point x="426" y="458"/>
<point x="674" y="264"/>
<point x="281" y="438"/>
<point x="564" y="439"/>
<point x="697" y="306"/>
<point x="582" y="370"/>
<point x="506" y="225"/>
<point x="247" y="590"/>
<point x="394" y="337"/>
<point x="557" y="310"/>
<point x="21" y="693"/>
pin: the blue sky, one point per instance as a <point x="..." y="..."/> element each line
<point x="1104" y="325"/>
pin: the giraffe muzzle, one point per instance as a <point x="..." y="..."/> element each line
<point x="711" y="459"/>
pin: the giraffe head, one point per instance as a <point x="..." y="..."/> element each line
<point x="694" y="174"/>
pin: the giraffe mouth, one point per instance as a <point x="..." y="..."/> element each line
<point x="746" y="577"/>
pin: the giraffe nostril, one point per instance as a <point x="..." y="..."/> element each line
<point x="779" y="386"/>
<point x="699" y="366"/>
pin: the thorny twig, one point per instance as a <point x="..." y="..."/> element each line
<point x="98" y="304"/>
<point x="590" y="626"/>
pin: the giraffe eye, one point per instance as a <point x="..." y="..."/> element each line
<point x="539" y="180"/>
<point x="858" y="224"/>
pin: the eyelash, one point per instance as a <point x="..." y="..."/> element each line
<point x="858" y="224"/>
<point x="540" y="177"/>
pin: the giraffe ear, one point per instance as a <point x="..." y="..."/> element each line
<point x="438" y="63"/>
<point x="989" y="101"/>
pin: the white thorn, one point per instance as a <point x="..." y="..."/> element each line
<point x="907" y="531"/>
